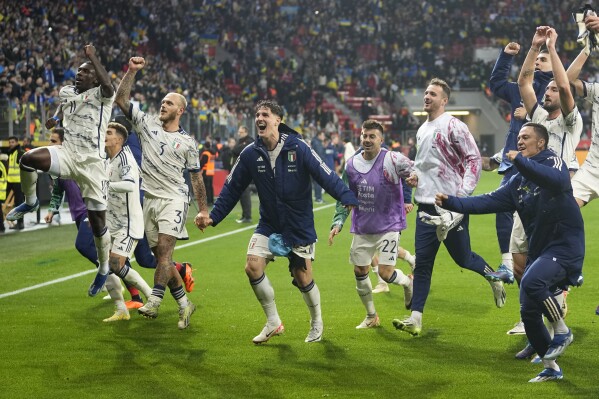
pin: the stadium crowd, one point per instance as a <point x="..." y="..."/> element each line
<point x="282" y="50"/>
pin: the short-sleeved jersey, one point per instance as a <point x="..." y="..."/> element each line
<point x="85" y="119"/>
<point x="592" y="96"/>
<point x="564" y="133"/>
<point x="447" y="161"/>
<point x="165" y="156"/>
<point x="124" y="209"/>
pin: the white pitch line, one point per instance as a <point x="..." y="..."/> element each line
<point x="189" y="244"/>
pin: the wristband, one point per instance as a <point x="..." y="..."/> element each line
<point x="56" y="118"/>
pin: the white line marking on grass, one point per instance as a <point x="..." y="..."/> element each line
<point x="189" y="244"/>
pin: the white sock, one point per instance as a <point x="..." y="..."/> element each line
<point x="416" y="316"/>
<point x="375" y="269"/>
<point x="183" y="302"/>
<point x="312" y="299"/>
<point x="550" y="364"/>
<point x="506" y="259"/>
<point x="411" y="259"/>
<point x="364" y="288"/>
<point x="113" y="286"/>
<point x="28" y="184"/>
<point x="103" y="248"/>
<point x="135" y="279"/>
<point x="400" y="279"/>
<point x="560" y="327"/>
<point x="265" y="294"/>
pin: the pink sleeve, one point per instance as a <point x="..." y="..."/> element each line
<point x="467" y="150"/>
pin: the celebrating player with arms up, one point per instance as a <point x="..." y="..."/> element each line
<point x="85" y="111"/>
<point x="167" y="151"/>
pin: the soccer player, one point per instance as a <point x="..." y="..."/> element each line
<point x="542" y="195"/>
<point x="374" y="176"/>
<point x="281" y="165"/>
<point x="85" y="111"/>
<point x="508" y="91"/>
<point x="167" y="152"/>
<point x="585" y="182"/>
<point x="558" y="114"/>
<point x="447" y="160"/>
<point x="124" y="219"/>
<point x="84" y="242"/>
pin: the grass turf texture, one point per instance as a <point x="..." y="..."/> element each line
<point x="55" y="345"/>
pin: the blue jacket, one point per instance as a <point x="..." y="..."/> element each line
<point x="509" y="92"/>
<point x="542" y="194"/>
<point x="285" y="196"/>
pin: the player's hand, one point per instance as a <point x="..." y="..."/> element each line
<point x="520" y="113"/>
<point x="510" y="155"/>
<point x="592" y="23"/>
<point x="412" y="181"/>
<point x="551" y="38"/>
<point x="49" y="217"/>
<point x="51" y="123"/>
<point x="439" y="198"/>
<point x="540" y="36"/>
<point x="512" y="48"/>
<point x="89" y="50"/>
<point x="136" y="63"/>
<point x="332" y="234"/>
<point x="408" y="207"/>
<point x="202" y="220"/>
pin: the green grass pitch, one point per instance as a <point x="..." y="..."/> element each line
<point x="55" y="345"/>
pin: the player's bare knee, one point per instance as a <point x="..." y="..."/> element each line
<point x="386" y="271"/>
<point x="254" y="267"/>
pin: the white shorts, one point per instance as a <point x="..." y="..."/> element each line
<point x="259" y="246"/>
<point x="122" y="244"/>
<point x="165" y="216"/>
<point x="518" y="240"/>
<point x="585" y="184"/>
<point x="365" y="246"/>
<point x="88" y="171"/>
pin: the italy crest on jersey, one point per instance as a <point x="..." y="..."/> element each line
<point x="291" y="156"/>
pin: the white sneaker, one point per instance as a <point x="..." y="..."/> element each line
<point x="498" y="293"/>
<point x="315" y="333"/>
<point x="381" y="287"/>
<point x="150" y="309"/>
<point x="408" y="325"/>
<point x="369" y="322"/>
<point x="185" y="314"/>
<point x="518" y="329"/>
<point x="118" y="315"/>
<point x="408" y="292"/>
<point x="268" y="332"/>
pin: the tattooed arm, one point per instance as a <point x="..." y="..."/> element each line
<point x="123" y="93"/>
<point x="199" y="190"/>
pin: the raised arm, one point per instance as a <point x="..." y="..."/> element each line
<point x="526" y="76"/>
<point x="559" y="74"/>
<point x="573" y="72"/>
<point x="123" y="93"/>
<point x="499" y="76"/>
<point x="101" y="74"/>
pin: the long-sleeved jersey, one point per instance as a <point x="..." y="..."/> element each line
<point x="447" y="161"/>
<point x="542" y="195"/>
<point x="285" y="189"/>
